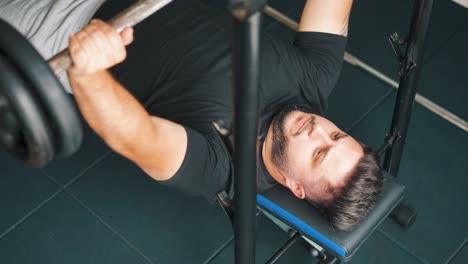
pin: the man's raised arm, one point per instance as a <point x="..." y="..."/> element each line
<point x="328" y="16"/>
<point x="156" y="145"/>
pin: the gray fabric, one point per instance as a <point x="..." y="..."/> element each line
<point x="49" y="23"/>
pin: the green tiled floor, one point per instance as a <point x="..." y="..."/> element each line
<point x="372" y="20"/>
<point x="354" y="96"/>
<point x="22" y="190"/>
<point x="64" y="232"/>
<point x="269" y="239"/>
<point x="462" y="255"/>
<point x="112" y="213"/>
<point x="91" y="150"/>
<point x="168" y="227"/>
<point x="434" y="170"/>
<point x="379" y="249"/>
<point x="444" y="79"/>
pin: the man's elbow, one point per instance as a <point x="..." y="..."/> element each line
<point x="135" y="155"/>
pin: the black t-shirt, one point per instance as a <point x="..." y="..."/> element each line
<point x="179" y="66"/>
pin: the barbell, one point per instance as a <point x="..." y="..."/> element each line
<point x="38" y="121"/>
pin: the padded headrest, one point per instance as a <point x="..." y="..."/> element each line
<point x="308" y="220"/>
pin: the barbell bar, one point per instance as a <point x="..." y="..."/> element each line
<point x="128" y="18"/>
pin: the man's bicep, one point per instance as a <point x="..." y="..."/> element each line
<point x="328" y="16"/>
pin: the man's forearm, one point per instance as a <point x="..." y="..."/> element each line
<point x="110" y="110"/>
<point x="155" y="144"/>
<point x="330" y="16"/>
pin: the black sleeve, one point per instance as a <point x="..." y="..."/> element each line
<point x="206" y="167"/>
<point x="315" y="60"/>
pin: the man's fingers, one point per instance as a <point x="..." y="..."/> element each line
<point x="127" y="35"/>
<point x="98" y="46"/>
<point x="115" y="42"/>
<point x="91" y="39"/>
<point x="89" y="46"/>
<point x="99" y="41"/>
<point x="77" y="55"/>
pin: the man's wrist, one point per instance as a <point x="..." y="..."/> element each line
<point x="96" y="81"/>
<point x="86" y="78"/>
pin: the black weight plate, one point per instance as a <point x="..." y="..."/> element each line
<point x="52" y="98"/>
<point x="25" y="123"/>
<point x="10" y="130"/>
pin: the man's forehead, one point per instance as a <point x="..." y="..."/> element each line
<point x="342" y="158"/>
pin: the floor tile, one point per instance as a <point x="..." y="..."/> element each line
<point x="371" y="130"/>
<point x="269" y="239"/>
<point x="91" y="150"/>
<point x="462" y="255"/>
<point x="372" y="20"/>
<point x="369" y="26"/>
<point x="355" y="94"/>
<point x="434" y="170"/>
<point x="21" y="190"/>
<point x="444" y="79"/>
<point x="447" y="19"/>
<point x="64" y="232"/>
<point x="167" y="226"/>
<point x="379" y="249"/>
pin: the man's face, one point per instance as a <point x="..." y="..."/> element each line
<point x="313" y="151"/>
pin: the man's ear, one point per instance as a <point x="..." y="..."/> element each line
<point x="296" y="188"/>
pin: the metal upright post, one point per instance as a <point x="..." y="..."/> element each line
<point x="409" y="81"/>
<point x="245" y="75"/>
<point x="410" y="69"/>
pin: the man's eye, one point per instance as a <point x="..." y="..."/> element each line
<point x="336" y="135"/>
<point x="318" y="153"/>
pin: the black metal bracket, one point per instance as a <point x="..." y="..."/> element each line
<point x="226" y="205"/>
<point x="226" y="135"/>
<point x="406" y="64"/>
<point x="294" y="237"/>
<point x="225" y="198"/>
<point x="390" y="139"/>
<point x="396" y="42"/>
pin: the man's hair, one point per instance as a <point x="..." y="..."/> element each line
<point x="351" y="204"/>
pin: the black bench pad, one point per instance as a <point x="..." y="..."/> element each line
<point x="310" y="222"/>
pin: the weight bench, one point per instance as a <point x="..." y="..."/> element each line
<point x="302" y="219"/>
<point x="306" y="220"/>
<point x="299" y="217"/>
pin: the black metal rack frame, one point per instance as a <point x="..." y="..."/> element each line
<point x="246" y="16"/>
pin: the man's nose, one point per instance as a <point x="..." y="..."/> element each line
<point x="318" y="132"/>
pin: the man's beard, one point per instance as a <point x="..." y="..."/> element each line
<point x="279" y="140"/>
<point x="278" y="145"/>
